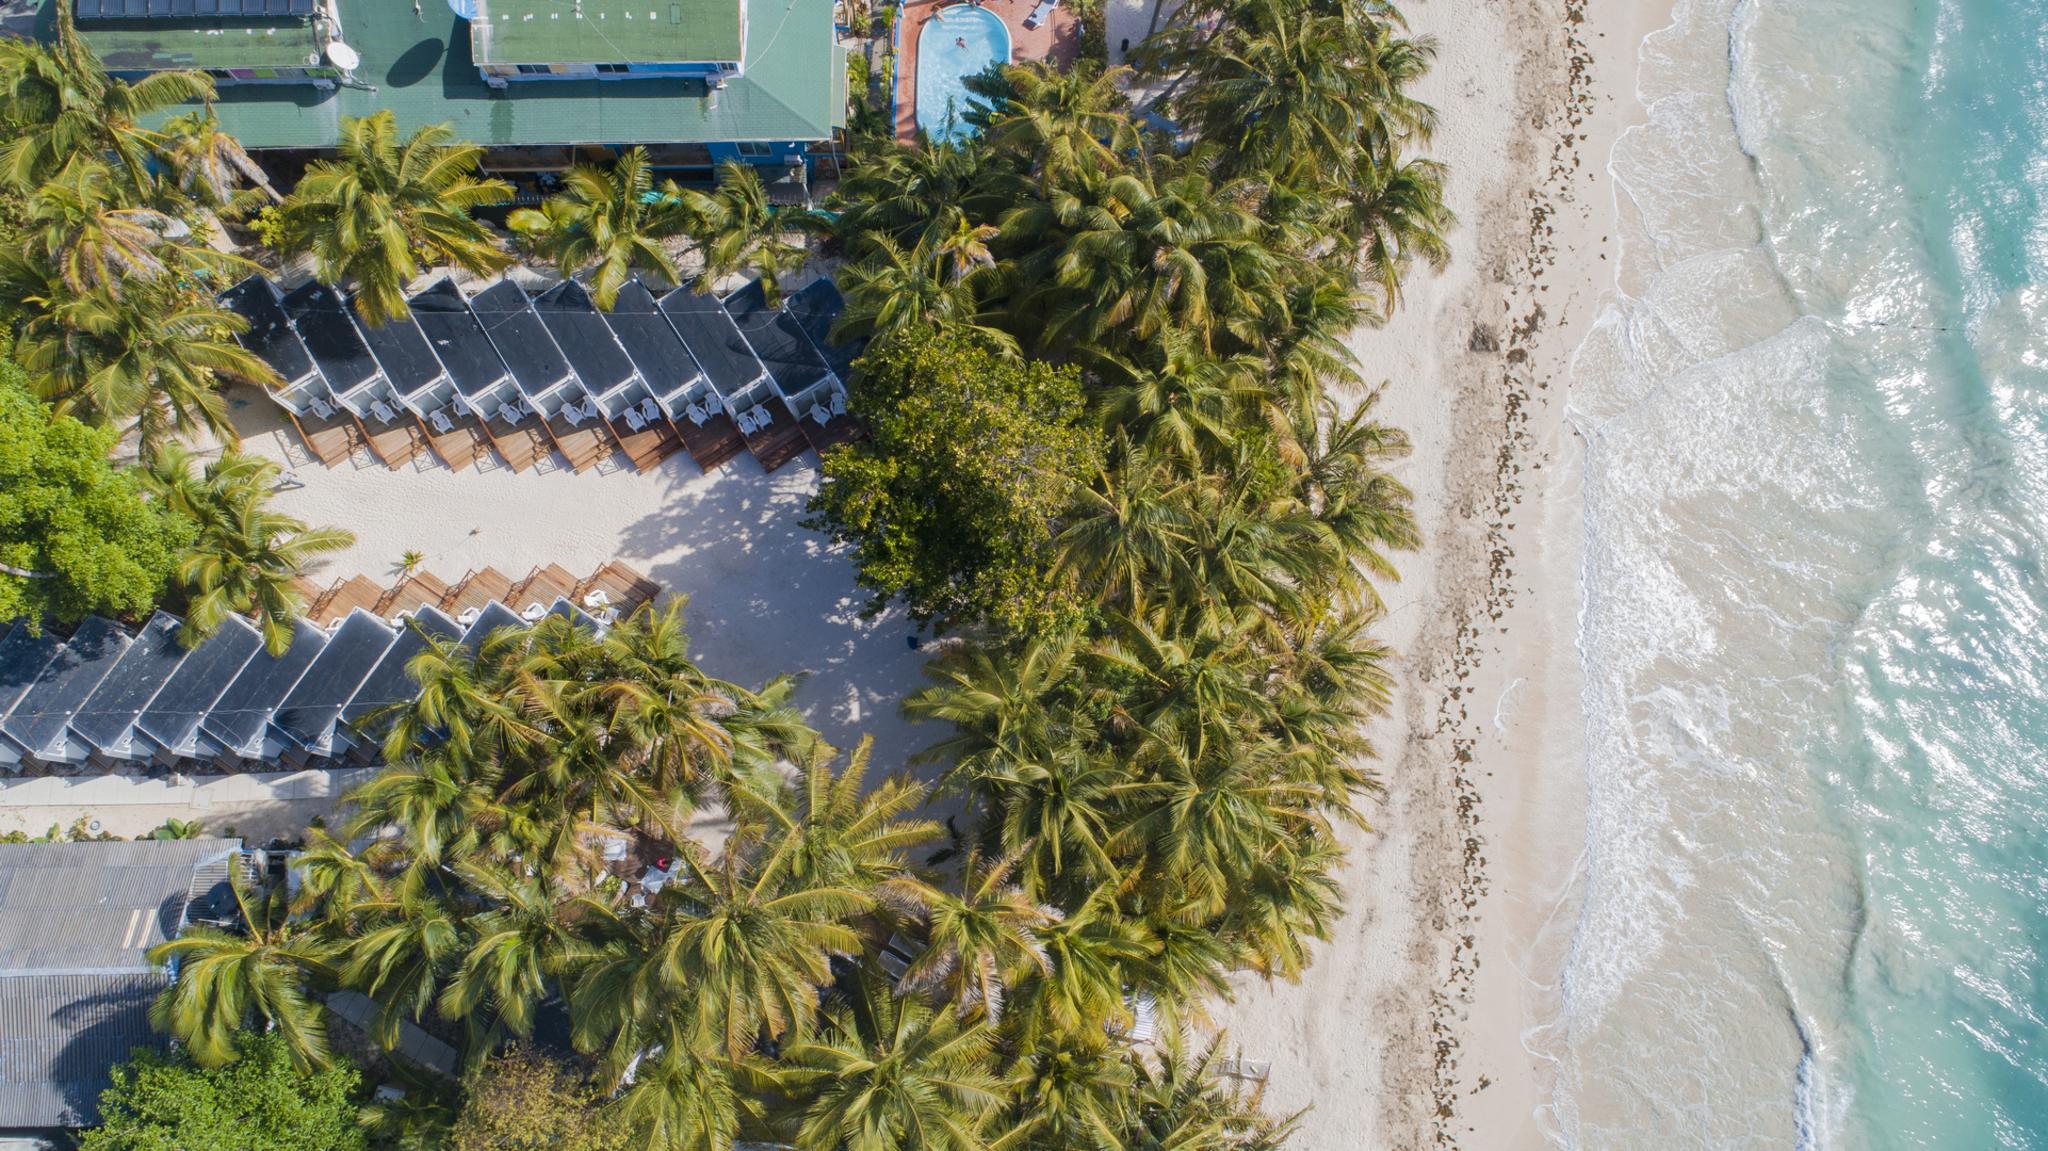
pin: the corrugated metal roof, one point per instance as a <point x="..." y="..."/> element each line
<point x="76" y="923"/>
<point x="60" y="1037"/>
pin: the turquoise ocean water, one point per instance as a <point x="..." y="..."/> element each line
<point x="1816" y="626"/>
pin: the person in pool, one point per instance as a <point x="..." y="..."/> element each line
<point x="959" y="41"/>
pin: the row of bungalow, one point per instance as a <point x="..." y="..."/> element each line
<point x="526" y="376"/>
<point x="106" y="699"/>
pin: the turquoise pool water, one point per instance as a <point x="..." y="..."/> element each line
<point x="957" y="43"/>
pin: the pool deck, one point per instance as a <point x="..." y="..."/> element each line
<point x="1058" y="40"/>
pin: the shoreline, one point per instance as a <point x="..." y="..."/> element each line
<point x="1425" y="1022"/>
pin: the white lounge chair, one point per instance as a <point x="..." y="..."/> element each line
<point x="650" y="409"/>
<point x="382" y="411"/>
<point x="469" y="616"/>
<point x="819" y="415"/>
<point x="322" y="408"/>
<point x="838" y="403"/>
<point x="1041" y="14"/>
<point x="697" y="414"/>
<point x="534" y="612"/>
<point x="441" y="422"/>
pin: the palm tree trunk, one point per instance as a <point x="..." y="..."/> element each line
<point x="23" y="573"/>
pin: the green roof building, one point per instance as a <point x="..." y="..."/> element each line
<point x="761" y="80"/>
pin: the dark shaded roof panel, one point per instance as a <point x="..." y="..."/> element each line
<point x="391" y="681"/>
<point x="495" y="615"/>
<point x="174" y="716"/>
<point x="107" y="718"/>
<point x="38" y="722"/>
<point x="458" y="339"/>
<point x="270" y="333"/>
<point x="237" y="720"/>
<point x="309" y="712"/>
<point x="816" y="308"/>
<point x="404" y="352"/>
<point x="580" y="331"/>
<point x="522" y="340"/>
<point x="714" y="340"/>
<point x="778" y="340"/>
<point x="331" y="336"/>
<point x="22" y="658"/>
<point x="663" y="359"/>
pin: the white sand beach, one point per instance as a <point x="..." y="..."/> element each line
<point x="1423" y="1023"/>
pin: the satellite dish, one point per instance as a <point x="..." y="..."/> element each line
<point x="343" y="57"/>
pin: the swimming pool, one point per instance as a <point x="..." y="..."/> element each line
<point x="960" y="41"/>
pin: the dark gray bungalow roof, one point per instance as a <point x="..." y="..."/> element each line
<point x="522" y="340"/>
<point x="77" y="921"/>
<point x="777" y="339"/>
<point x="172" y="719"/>
<point x="663" y="359"/>
<point x="816" y="308"/>
<point x="39" y="721"/>
<point x="107" y="718"/>
<point x="239" y="717"/>
<point x="311" y="709"/>
<point x="495" y="615"/>
<point x="580" y="331"/>
<point x="714" y="340"/>
<point x="458" y="339"/>
<point x="403" y="351"/>
<point x="322" y="318"/>
<point x="22" y="658"/>
<point x="391" y="682"/>
<point x="270" y="333"/>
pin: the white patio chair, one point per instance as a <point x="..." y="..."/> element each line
<point x="634" y="421"/>
<point x="382" y="411"/>
<point x="650" y="409"/>
<point x="534" y="612"/>
<point x="441" y="422"/>
<point x="746" y="423"/>
<point x="322" y="408"/>
<point x="697" y="414"/>
<point x="713" y="404"/>
<point x="469" y="616"/>
<point x="819" y="416"/>
<point x="838" y="403"/>
<point x="575" y="414"/>
<point x="762" y="417"/>
<point x="462" y="407"/>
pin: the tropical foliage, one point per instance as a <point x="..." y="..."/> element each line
<point x="259" y="1102"/>
<point x="387" y="207"/>
<point x="243" y="558"/>
<point x="612" y="222"/>
<point x="952" y="501"/>
<point x="77" y="535"/>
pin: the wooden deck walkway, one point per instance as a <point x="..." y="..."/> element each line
<point x="841" y="429"/>
<point x="331" y="440"/>
<point x="357" y="591"/>
<point x="464" y="443"/>
<point x="584" y="444"/>
<point x="543" y="585"/>
<point x="656" y="441"/>
<point x="712" y="443"/>
<point x="782" y="441"/>
<point x="421" y="589"/>
<point x="476" y="589"/>
<point x="624" y="588"/>
<point x="397" y="442"/>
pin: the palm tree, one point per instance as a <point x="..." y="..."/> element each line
<point x="81" y="225"/>
<point x="399" y="951"/>
<point x="916" y="197"/>
<point x="515" y="947"/>
<point x="226" y="978"/>
<point x="211" y="167"/>
<point x="892" y="1074"/>
<point x="152" y="356"/>
<point x="244" y="557"/>
<point x="840" y="833"/>
<point x="1072" y="1090"/>
<point x="1393" y="213"/>
<point x="739" y="230"/>
<point x="1179" y="1103"/>
<point x="894" y="289"/>
<point x="753" y="948"/>
<point x="685" y="1099"/>
<point x="59" y="103"/>
<point x="978" y="942"/>
<point x="1062" y="118"/>
<point x="386" y="208"/>
<point x="613" y="219"/>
